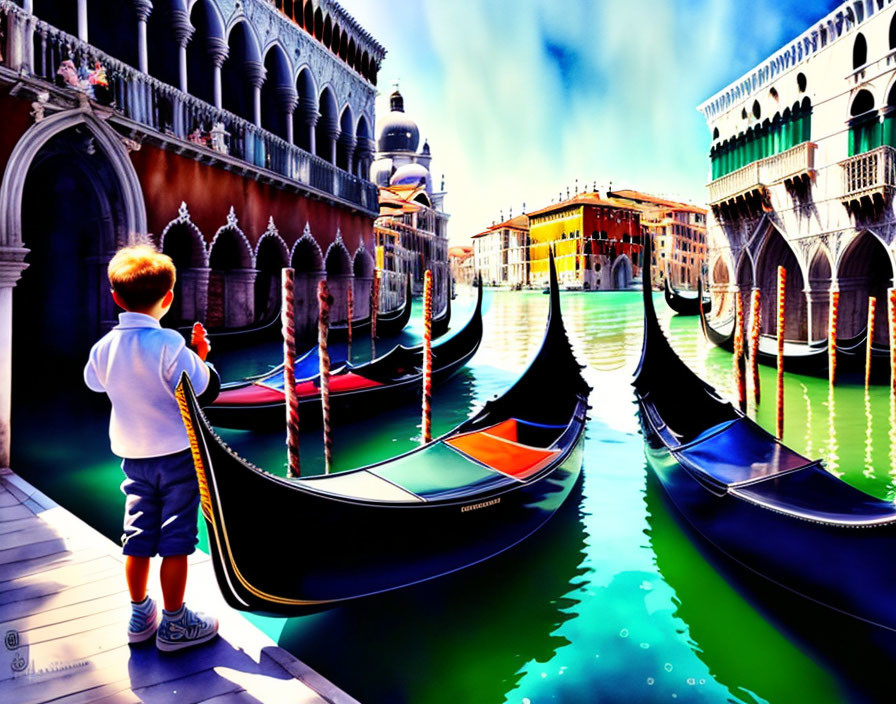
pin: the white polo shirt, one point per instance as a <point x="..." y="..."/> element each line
<point x="138" y="364"/>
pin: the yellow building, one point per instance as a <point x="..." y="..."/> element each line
<point x="596" y="241"/>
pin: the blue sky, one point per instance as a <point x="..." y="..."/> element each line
<point x="519" y="98"/>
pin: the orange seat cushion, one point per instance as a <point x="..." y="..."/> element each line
<point x="507" y="457"/>
<point x="259" y="393"/>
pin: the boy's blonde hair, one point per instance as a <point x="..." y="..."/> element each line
<point x="141" y="276"/>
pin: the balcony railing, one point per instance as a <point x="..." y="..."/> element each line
<point x="870" y="173"/>
<point x="787" y="165"/>
<point x="145" y="100"/>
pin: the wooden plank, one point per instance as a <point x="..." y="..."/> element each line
<point x="69" y="572"/>
<point x="32" y="550"/>
<point x="14" y="570"/>
<point x="45" y="586"/>
<point x="19" y="524"/>
<point x="35" y="534"/>
<point x="61" y="615"/>
<point x="114" y="693"/>
<point x="64" y="597"/>
<point x="7" y="499"/>
<point x="195" y="687"/>
<point x="119" y="613"/>
<point x="242" y="697"/>
<point x="13" y="513"/>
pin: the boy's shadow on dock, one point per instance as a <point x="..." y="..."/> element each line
<point x="205" y="671"/>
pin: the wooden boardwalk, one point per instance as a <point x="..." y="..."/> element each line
<point x="64" y="610"/>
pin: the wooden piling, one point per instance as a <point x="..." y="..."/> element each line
<point x="739" y="371"/>
<point x="287" y="317"/>
<point x="323" y="300"/>
<point x="755" y="323"/>
<point x="350" y="304"/>
<point x="427" y="357"/>
<point x="782" y="319"/>
<point x="891" y="310"/>
<point x="374" y="311"/>
<point x="872" y="309"/>
<point x="832" y="336"/>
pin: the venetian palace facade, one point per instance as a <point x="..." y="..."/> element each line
<point x="803" y="172"/>
<point x="237" y="134"/>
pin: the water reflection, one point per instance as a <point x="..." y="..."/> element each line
<point x="472" y="632"/>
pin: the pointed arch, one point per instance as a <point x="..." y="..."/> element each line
<point x="242" y="69"/>
<point x="864" y="269"/>
<point x="184" y="243"/>
<point x="271" y="255"/>
<point x="364" y="267"/>
<point x="338" y="261"/>
<point x="744" y="272"/>
<point x="208" y="37"/>
<point x="775" y="251"/>
<point x="306" y="111"/>
<point x="327" y="125"/>
<point x="820" y="281"/>
<point x="621" y="272"/>
<point x="345" y="146"/>
<point x="231" y="299"/>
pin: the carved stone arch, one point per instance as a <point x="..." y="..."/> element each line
<point x="776" y="250"/>
<point x="184" y="243"/>
<point x="35" y="137"/>
<point x="743" y="271"/>
<point x="271" y="256"/>
<point x="338" y="264"/>
<point x="621" y="272"/>
<point x="231" y="295"/>
<point x="820" y="279"/>
<point x="219" y="23"/>
<point x="306" y="244"/>
<point x="240" y="17"/>
<point x="364" y="268"/>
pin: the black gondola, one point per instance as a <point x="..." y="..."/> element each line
<point x="388" y="324"/>
<point x="683" y="304"/>
<point x="720" y="332"/>
<point x="454" y="502"/>
<point x="769" y="508"/>
<point x="258" y="402"/>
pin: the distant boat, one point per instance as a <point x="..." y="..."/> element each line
<point x="684" y="304"/>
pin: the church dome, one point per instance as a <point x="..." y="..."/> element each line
<point x="397" y="132"/>
<point x="410" y="175"/>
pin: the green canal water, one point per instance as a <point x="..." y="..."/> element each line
<point x="613" y="601"/>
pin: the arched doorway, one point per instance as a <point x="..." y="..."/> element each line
<point x="622" y="272"/>
<point x="308" y="262"/>
<point x="864" y="271"/>
<point x="242" y="72"/>
<point x="819" y="295"/>
<point x="270" y="258"/>
<point x="363" y="267"/>
<point x="278" y="94"/>
<point x="206" y="45"/>
<point x="305" y="115"/>
<point x="231" y="283"/>
<point x="327" y="126"/>
<point x="340" y="276"/>
<point x="776" y="252"/>
<point x="183" y="242"/>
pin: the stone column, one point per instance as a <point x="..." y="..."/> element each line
<point x="194" y="289"/>
<point x="217" y="50"/>
<point x="12" y="264"/>
<point x="289" y="99"/>
<point x="183" y="31"/>
<point x="239" y="297"/>
<point x="82" y="20"/>
<point x="255" y="73"/>
<point x="143" y="9"/>
<point x="349" y="142"/>
<point x="309" y="109"/>
<point x="333" y="136"/>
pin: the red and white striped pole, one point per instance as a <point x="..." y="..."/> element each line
<point x="323" y="300"/>
<point x="739" y="371"/>
<point x="374" y="311"/>
<point x="755" y="323"/>
<point x="287" y="316"/>
<point x="427" y="356"/>
<point x="350" y="303"/>
<point x="872" y="309"/>
<point x="782" y="319"/>
<point x="833" y="314"/>
<point x="891" y="310"/>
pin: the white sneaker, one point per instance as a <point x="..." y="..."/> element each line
<point x="143" y="622"/>
<point x="184" y="628"/>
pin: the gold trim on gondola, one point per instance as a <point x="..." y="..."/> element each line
<point x="206" y="501"/>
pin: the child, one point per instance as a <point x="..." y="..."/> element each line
<point x="138" y="364"/>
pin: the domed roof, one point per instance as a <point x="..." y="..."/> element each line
<point x="410" y="175"/>
<point x="397" y="132"/>
<point x="381" y="172"/>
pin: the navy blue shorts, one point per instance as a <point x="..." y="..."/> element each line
<point x="161" y="505"/>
